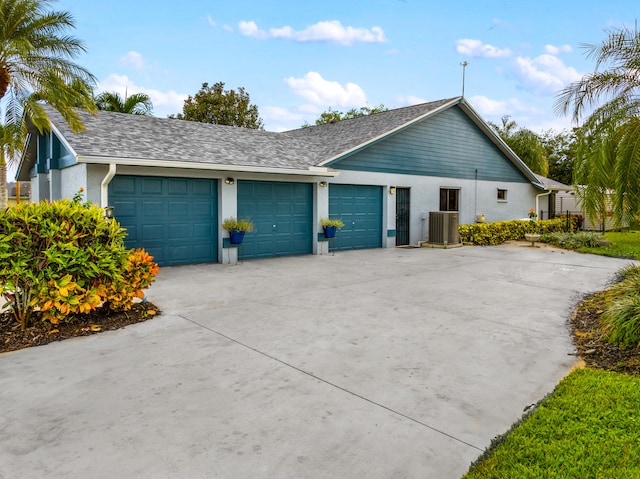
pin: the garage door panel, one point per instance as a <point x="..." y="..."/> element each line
<point x="360" y="208"/>
<point x="202" y="208"/>
<point x="179" y="231"/>
<point x="178" y="187"/>
<point x="153" y="232"/>
<point x="202" y="231"/>
<point x="151" y="186"/>
<point x="178" y="208"/>
<point x="125" y="208"/>
<point x="282" y="214"/>
<point x="152" y="208"/>
<point x="125" y="186"/>
<point x="132" y="233"/>
<point x="174" y="219"/>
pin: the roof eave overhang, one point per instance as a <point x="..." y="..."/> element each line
<point x="106" y="160"/>
<point x="376" y="139"/>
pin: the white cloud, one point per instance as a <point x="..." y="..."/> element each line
<point x="328" y="31"/>
<point x="211" y="21"/>
<point x="283" y="119"/>
<point x="164" y="102"/>
<point x="228" y="28"/>
<point x="409" y="100"/>
<point x="554" y="50"/>
<point x="535" y="117"/>
<point x="134" y="60"/>
<point x="487" y="106"/>
<point x="544" y="74"/>
<point x="250" y="29"/>
<point x="475" y="48"/>
<point x="315" y="89"/>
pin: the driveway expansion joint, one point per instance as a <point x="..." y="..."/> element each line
<point x="329" y="383"/>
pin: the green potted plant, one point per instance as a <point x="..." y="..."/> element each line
<point x="237" y="229"/>
<point x="330" y="225"/>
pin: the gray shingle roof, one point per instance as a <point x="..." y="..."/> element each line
<point x="134" y="137"/>
<point x="550" y="184"/>
<point x="119" y="135"/>
<point x="332" y="139"/>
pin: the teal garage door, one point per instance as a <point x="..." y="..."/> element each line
<point x="174" y="219"/>
<point x="360" y="208"/>
<point x="282" y="215"/>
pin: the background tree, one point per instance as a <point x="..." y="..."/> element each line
<point x="561" y="154"/>
<point x="212" y="104"/>
<point x="608" y="152"/>
<point x="36" y="56"/>
<point x="331" y="115"/>
<point x="525" y="143"/>
<point x="136" y="104"/>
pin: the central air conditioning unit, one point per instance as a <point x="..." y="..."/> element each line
<point x="443" y="227"/>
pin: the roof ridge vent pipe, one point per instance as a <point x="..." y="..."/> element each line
<point x="104" y="185"/>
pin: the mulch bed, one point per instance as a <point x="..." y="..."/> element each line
<point x="13" y="338"/>
<point x="591" y="344"/>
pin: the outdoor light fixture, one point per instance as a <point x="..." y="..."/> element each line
<point x="108" y="212"/>
<point x="230" y="181"/>
<point x="392" y="190"/>
<point x="323" y="184"/>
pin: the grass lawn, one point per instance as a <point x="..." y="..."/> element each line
<point x="625" y="244"/>
<point x="589" y="427"/>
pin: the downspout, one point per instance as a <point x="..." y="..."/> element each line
<point x="104" y="186"/>
<point x="475" y="199"/>
<point x="538" y="198"/>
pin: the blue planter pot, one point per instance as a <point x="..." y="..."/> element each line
<point x="330" y="231"/>
<point x="236" y="237"/>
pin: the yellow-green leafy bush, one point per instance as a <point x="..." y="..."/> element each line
<point x="64" y="258"/>
<point x="500" y="231"/>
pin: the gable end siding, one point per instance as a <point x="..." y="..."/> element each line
<point x="447" y="145"/>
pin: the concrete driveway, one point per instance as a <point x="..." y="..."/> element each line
<point x="395" y="363"/>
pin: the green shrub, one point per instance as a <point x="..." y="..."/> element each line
<point x="337" y="222"/>
<point x="59" y="259"/>
<point x="500" y="231"/>
<point x="581" y="239"/>
<point x="621" y="321"/>
<point x="233" y="224"/>
<point x="621" y="316"/>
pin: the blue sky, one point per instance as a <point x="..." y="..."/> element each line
<point x="298" y="58"/>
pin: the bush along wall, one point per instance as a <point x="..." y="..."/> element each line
<point x="501" y="231"/>
<point x="64" y="258"/>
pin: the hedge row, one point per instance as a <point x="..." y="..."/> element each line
<point x="501" y="231"/>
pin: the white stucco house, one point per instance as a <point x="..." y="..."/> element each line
<point x="172" y="182"/>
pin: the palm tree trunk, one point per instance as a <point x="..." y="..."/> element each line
<point x="3" y="180"/>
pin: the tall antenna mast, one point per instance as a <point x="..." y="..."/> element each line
<point x="464" y="67"/>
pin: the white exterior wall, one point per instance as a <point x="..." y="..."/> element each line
<point x="476" y="197"/>
<point x="72" y="179"/>
<point x="40" y="188"/>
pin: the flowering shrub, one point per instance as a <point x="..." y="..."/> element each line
<point x="64" y="258"/>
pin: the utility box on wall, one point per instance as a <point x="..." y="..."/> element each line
<point x="443" y="227"/>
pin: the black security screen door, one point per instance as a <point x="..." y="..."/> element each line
<point x="402" y="216"/>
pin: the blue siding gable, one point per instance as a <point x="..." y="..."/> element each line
<point x="52" y="153"/>
<point x="449" y="144"/>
